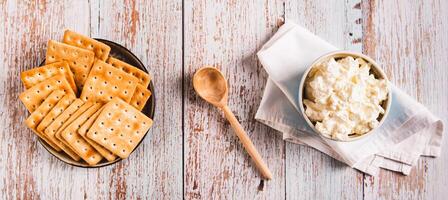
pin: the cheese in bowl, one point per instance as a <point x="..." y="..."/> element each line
<point x="345" y="96"/>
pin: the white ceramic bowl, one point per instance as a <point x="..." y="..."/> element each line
<point x="375" y="69"/>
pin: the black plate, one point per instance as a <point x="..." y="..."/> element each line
<point x="125" y="55"/>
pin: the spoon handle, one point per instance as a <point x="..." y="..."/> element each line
<point x="247" y="143"/>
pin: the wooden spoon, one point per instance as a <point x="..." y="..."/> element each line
<point x="211" y="85"/>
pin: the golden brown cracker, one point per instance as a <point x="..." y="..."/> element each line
<point x="72" y="118"/>
<point x="100" y="49"/>
<point x="53" y="127"/>
<point x="80" y="60"/>
<point x="36" y="75"/>
<point x="140" y="97"/>
<point x="143" y="77"/>
<point x="76" y="142"/>
<point x="83" y="130"/>
<point x="34" y="96"/>
<point x="36" y="117"/>
<point x="106" y="82"/>
<point x="119" y="127"/>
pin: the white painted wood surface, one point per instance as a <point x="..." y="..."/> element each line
<point x="191" y="151"/>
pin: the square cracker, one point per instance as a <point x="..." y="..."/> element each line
<point x="72" y="117"/>
<point x="34" y="96"/>
<point x="36" y="75"/>
<point x="83" y="130"/>
<point x="36" y="117"/>
<point x="100" y="49"/>
<point x="57" y="122"/>
<point x="76" y="142"/>
<point x="80" y="60"/>
<point x="119" y="127"/>
<point x="65" y="101"/>
<point x="143" y="77"/>
<point x="106" y="82"/>
<point x="140" y="97"/>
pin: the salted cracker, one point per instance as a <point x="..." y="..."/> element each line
<point x="143" y="77"/>
<point x="106" y="82"/>
<point x="100" y="49"/>
<point x="119" y="127"/>
<point x="56" y="118"/>
<point x="140" y="97"/>
<point x="83" y="130"/>
<point x="72" y="118"/>
<point x="80" y="60"/>
<point x="36" y="117"/>
<point x="36" y="75"/>
<point x="77" y="142"/>
<point x="35" y="95"/>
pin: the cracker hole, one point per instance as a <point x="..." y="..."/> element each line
<point x="48" y="86"/>
<point x="125" y="92"/>
<point x="130" y="141"/>
<point x="61" y="68"/>
<point x="95" y="133"/>
<point x="74" y="62"/>
<point x="121" y="135"/>
<point x="105" y="82"/>
<point x="85" y="149"/>
<point x="114" y="144"/>
<point x="95" y="77"/>
<point x="38" y="91"/>
<point x="101" y="92"/>
<point x="59" y="82"/>
<point x="124" y="150"/>
<point x="104" y="139"/>
<point x="110" y="97"/>
<point x="85" y="66"/>
<point x="70" y="133"/>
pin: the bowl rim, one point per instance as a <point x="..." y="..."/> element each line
<point x="151" y="114"/>
<point x="345" y="53"/>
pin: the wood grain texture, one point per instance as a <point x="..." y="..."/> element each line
<point x="409" y="39"/>
<point x="227" y="34"/>
<point x="310" y="173"/>
<point x="155" y="168"/>
<point x="192" y="152"/>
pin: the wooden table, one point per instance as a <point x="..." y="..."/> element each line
<point x="191" y="151"/>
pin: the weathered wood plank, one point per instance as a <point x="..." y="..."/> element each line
<point x="227" y="34"/>
<point x="311" y="174"/>
<point x="152" y="30"/>
<point x="409" y="39"/>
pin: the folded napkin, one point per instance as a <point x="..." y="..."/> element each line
<point x="410" y="130"/>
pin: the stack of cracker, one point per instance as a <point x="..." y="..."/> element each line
<point x="106" y="121"/>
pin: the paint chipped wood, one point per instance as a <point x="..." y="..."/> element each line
<point x="191" y="151"/>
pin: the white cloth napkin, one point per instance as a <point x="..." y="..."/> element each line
<point x="410" y="130"/>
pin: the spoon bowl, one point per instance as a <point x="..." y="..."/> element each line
<point x="211" y="85"/>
